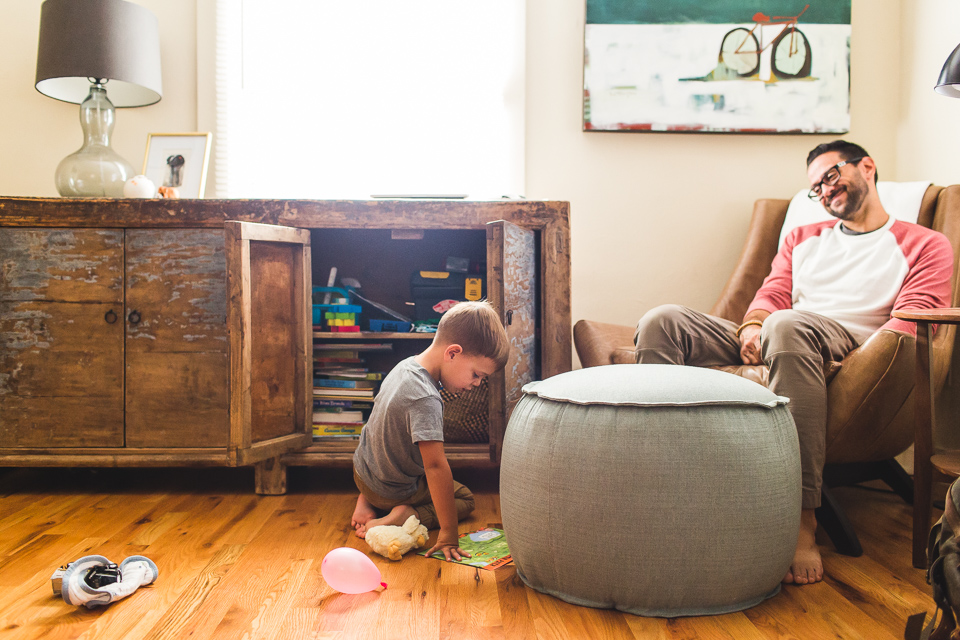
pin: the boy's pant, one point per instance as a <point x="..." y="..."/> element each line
<point x="794" y="344"/>
<point x="420" y="501"/>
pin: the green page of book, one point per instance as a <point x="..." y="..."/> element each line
<point x="487" y="548"/>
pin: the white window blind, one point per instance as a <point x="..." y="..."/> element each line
<point x="322" y="99"/>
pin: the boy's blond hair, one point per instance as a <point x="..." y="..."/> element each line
<point x="476" y="327"/>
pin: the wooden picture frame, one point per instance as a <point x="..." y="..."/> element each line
<point x="178" y="160"/>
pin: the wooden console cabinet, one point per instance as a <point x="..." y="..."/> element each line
<point x="177" y="332"/>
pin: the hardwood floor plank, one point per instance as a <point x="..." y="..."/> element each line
<point x="244" y="527"/>
<point x="189" y="569"/>
<point x="236" y="565"/>
<point x="178" y="614"/>
<point x="264" y="563"/>
<point x="301" y="624"/>
<point x="39" y="520"/>
<point x="647" y="628"/>
<point x="877" y="592"/>
<point x="36" y="561"/>
<point x="345" y="615"/>
<point x="730" y="626"/>
<point x="470" y="603"/>
<point x="820" y="611"/>
<point x="277" y="603"/>
<point x="514" y="604"/>
<point x="330" y="531"/>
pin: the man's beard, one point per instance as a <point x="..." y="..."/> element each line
<point x="856" y="194"/>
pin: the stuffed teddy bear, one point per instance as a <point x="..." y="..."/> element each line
<point x="392" y="541"/>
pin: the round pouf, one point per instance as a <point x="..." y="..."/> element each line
<point x="659" y="490"/>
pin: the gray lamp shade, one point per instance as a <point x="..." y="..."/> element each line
<point x="102" y="39"/>
<point x="949" y="82"/>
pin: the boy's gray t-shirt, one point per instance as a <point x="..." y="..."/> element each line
<point x="408" y="409"/>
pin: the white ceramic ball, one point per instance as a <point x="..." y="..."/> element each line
<point x="139" y="187"/>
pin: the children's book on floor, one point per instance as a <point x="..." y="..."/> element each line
<point x="487" y="548"/>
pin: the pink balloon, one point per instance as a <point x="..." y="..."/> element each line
<point x="350" y="571"/>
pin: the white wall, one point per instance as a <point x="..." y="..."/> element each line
<point x="37" y="131"/>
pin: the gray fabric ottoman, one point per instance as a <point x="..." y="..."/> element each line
<point x="658" y="490"/>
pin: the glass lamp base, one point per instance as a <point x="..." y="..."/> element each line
<point x="95" y="171"/>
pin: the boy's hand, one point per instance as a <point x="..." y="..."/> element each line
<point x="448" y="544"/>
<point x="440" y="481"/>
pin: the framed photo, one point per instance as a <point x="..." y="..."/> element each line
<point x="178" y="160"/>
<point x="744" y="66"/>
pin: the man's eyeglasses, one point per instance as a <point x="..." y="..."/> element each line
<point x="830" y="178"/>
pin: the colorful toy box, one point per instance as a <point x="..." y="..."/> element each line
<point x="338" y="316"/>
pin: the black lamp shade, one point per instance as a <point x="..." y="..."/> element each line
<point x="103" y="39"/>
<point x="949" y="82"/>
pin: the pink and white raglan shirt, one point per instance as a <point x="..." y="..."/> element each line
<point x="858" y="280"/>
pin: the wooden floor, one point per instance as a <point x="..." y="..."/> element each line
<point x="235" y="565"/>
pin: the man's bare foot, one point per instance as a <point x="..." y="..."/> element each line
<point x="362" y="514"/>
<point x="397" y="516"/>
<point x="807" y="566"/>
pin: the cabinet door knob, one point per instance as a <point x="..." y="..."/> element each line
<point x="134" y="317"/>
<point x="110" y="317"/>
<point x="509" y="317"/>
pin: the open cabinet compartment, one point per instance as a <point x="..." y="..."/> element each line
<point x="383" y="262"/>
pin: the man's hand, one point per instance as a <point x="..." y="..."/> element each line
<point x="750" y="345"/>
<point x="448" y="544"/>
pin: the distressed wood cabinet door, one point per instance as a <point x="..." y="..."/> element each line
<point x="61" y="338"/>
<point x="177" y="379"/>
<point x="271" y="340"/>
<point x="513" y="290"/>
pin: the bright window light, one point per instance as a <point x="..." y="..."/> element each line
<point x="346" y="100"/>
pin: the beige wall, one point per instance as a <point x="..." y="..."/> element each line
<point x="928" y="129"/>
<point x="661" y="217"/>
<point x="37" y="132"/>
<point x="656" y="217"/>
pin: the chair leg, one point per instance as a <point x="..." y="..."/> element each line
<point x="832" y="518"/>
<point x="922" y="511"/>
<point x="897" y="479"/>
<point x="837" y="526"/>
<point x="847" y="473"/>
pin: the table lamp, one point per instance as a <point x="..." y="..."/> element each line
<point x="85" y="47"/>
<point x="949" y="82"/>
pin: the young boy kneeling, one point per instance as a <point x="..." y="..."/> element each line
<point x="400" y="466"/>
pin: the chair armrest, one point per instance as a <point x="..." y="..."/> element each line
<point x="596" y="342"/>
<point x="866" y="396"/>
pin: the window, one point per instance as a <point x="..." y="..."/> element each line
<point x="318" y="99"/>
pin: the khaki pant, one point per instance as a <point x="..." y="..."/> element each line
<point x="794" y="345"/>
<point x="421" y="501"/>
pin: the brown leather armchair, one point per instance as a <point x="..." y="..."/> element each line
<point x="869" y="394"/>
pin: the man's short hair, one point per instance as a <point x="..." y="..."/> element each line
<point x="476" y="327"/>
<point x="847" y="151"/>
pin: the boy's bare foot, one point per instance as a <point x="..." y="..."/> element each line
<point x="362" y="514"/>
<point x="807" y="566"/>
<point x="397" y="516"/>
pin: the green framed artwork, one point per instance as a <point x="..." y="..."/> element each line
<point x="743" y="66"/>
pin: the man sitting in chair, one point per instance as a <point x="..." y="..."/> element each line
<point x="831" y="285"/>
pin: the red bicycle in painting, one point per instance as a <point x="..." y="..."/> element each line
<point x="791" y="54"/>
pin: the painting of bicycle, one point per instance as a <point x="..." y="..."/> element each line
<point x="757" y="66"/>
